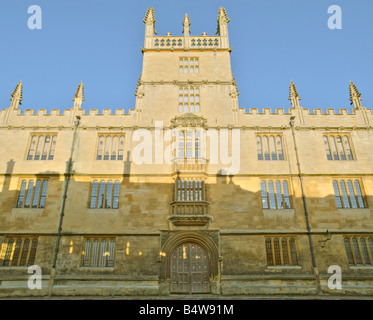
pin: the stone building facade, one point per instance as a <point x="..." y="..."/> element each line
<point x="186" y="193"/>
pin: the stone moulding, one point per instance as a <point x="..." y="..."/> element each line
<point x="188" y="120"/>
<point x="189" y="220"/>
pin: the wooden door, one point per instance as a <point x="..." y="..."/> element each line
<point x="190" y="269"/>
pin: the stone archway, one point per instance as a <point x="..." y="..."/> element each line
<point x="178" y="252"/>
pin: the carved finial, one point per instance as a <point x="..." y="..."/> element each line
<point x="150" y="19"/>
<point x="355" y="96"/>
<point x="222" y="19"/>
<point x="17" y="95"/>
<point x="186" y="24"/>
<point x="79" y="96"/>
<point x="293" y="95"/>
<point x="223" y="28"/>
<point x="223" y="15"/>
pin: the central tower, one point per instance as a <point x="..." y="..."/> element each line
<point x="186" y="74"/>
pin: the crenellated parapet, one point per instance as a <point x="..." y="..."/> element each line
<point x="14" y="117"/>
<point x="326" y="118"/>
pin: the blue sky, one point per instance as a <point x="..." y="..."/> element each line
<point x="99" y="42"/>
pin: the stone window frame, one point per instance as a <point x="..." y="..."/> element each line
<point x="35" y="199"/>
<point x="189" y="189"/>
<point x="276" y="257"/>
<point x="95" y="253"/>
<point x="118" y="151"/>
<point x="188" y="64"/>
<point x="37" y="149"/>
<point x="185" y="102"/>
<point x="285" y="199"/>
<point x="15" y="253"/>
<point x="114" y="199"/>
<point x="344" y="193"/>
<point x="261" y="146"/>
<point x="196" y="140"/>
<point x="359" y="250"/>
<point x="335" y="150"/>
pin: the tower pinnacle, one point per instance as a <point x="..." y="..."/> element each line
<point x="186" y="25"/>
<point x="355" y="96"/>
<point x="293" y="95"/>
<point x="223" y="27"/>
<point x="79" y="96"/>
<point x="17" y="96"/>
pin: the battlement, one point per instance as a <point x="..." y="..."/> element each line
<point x="306" y="111"/>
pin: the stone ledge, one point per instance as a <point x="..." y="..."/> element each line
<point x="356" y="213"/>
<point x="280" y="214"/>
<point x="102" y="211"/>
<point x="27" y="210"/>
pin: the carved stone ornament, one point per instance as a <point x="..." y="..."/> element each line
<point x="188" y="120"/>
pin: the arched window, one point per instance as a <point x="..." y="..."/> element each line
<point x="98" y="252"/>
<point x="340" y="148"/>
<point x="327" y="148"/>
<point x="277" y="193"/>
<point x="346" y="203"/>
<point x="107" y="148"/>
<point x="101" y="194"/>
<point x="276" y="244"/>
<point x="109" y="194"/>
<point x="94" y="194"/>
<point x="116" y="195"/>
<point x="286" y="194"/>
<point x="334" y="148"/>
<point x="121" y="148"/>
<point x="36" y="194"/>
<point x="104" y="195"/>
<point x="100" y="147"/>
<point x="279" y="148"/>
<point x="268" y="244"/>
<point x="352" y="194"/>
<point x="272" y="147"/>
<point x="259" y="147"/>
<point x="280" y="203"/>
<point x="46" y="148"/>
<point x="359" y="194"/>
<point x="357" y="251"/>
<point x="39" y="147"/>
<point x="351" y="199"/>
<point x="21" y="195"/>
<point x="42" y="148"/>
<point x="53" y="148"/>
<point x="337" y="194"/>
<point x="114" y="148"/>
<point x="347" y="148"/>
<point x="337" y="147"/>
<point x="264" y="194"/>
<point x="265" y="148"/>
<point x="43" y="194"/>
<point x="271" y="193"/>
<point x="30" y="189"/>
<point x="32" y="148"/>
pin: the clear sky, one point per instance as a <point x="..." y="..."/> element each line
<point x="99" y="42"/>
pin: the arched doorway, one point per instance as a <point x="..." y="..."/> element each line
<point x="189" y="269"/>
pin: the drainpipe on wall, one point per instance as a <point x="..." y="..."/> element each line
<point x="315" y="269"/>
<point x="67" y="180"/>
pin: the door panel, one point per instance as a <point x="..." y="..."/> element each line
<point x="189" y="269"/>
